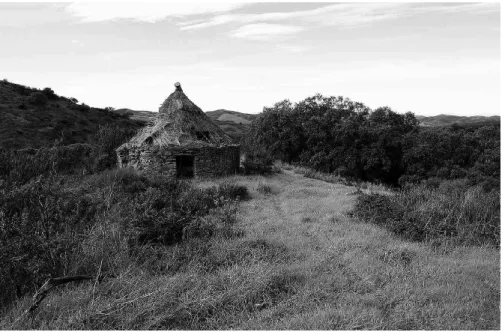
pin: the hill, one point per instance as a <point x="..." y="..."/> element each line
<point x="31" y="118"/>
<point x="143" y="117"/>
<point x="447" y="120"/>
<point x="233" y="123"/>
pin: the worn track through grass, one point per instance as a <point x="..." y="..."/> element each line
<point x="358" y="276"/>
<point x="300" y="264"/>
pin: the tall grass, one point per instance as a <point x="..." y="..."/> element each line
<point x="453" y="211"/>
<point x="60" y="225"/>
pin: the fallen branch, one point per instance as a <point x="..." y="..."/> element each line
<point x="46" y="287"/>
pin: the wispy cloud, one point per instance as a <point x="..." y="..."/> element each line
<point x="264" y="31"/>
<point x="145" y="12"/>
<point x="294" y="48"/>
<point x="343" y="14"/>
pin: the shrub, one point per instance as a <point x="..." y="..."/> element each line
<point x="105" y="141"/>
<point x="39" y="234"/>
<point x="20" y="166"/>
<point x="452" y="210"/>
<point x="49" y="93"/>
<point x="38" y="99"/>
<point x="162" y="214"/>
<point x="84" y="107"/>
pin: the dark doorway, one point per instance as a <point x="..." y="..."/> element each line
<point x="184" y="166"/>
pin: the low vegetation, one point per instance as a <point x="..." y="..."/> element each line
<point x="72" y="225"/>
<point x="292" y="260"/>
<point x="452" y="213"/>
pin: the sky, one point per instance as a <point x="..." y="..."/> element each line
<point x="426" y="58"/>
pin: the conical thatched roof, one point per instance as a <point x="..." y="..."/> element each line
<point x="181" y="123"/>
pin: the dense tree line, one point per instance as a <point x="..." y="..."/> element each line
<point x="337" y="135"/>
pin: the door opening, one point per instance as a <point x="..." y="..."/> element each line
<point x="185" y="166"/>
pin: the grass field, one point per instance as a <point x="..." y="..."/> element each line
<point x="298" y="262"/>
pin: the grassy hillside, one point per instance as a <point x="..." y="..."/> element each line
<point x="233" y="123"/>
<point x="140" y="116"/>
<point x="447" y="120"/>
<point x="31" y="118"/>
<point x="294" y="260"/>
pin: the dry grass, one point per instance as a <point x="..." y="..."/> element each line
<point x="284" y="273"/>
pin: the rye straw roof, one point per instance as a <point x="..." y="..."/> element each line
<point x="180" y="123"/>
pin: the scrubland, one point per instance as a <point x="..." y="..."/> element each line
<point x="289" y="256"/>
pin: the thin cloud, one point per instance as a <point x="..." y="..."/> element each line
<point x="294" y="48"/>
<point x="145" y="12"/>
<point x="344" y="15"/>
<point x="264" y="31"/>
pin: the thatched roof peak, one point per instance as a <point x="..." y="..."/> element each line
<point x="181" y="123"/>
<point x="177" y="85"/>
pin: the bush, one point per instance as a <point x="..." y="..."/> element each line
<point x="49" y="93"/>
<point x="105" y="142"/>
<point x="38" y="99"/>
<point x="450" y="210"/>
<point x="20" y="166"/>
<point x="162" y="214"/>
<point x="84" y="108"/>
<point x="39" y="235"/>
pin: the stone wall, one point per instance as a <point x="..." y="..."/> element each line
<point x="217" y="161"/>
<point x="209" y="161"/>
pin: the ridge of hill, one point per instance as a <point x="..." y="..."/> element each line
<point x="32" y="118"/>
<point x="233" y="123"/>
<point x="447" y="120"/>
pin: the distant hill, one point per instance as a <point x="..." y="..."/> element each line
<point x="31" y="118"/>
<point x="143" y="117"/>
<point x="447" y="120"/>
<point x="233" y="123"/>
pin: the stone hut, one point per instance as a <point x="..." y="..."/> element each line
<point x="182" y="142"/>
